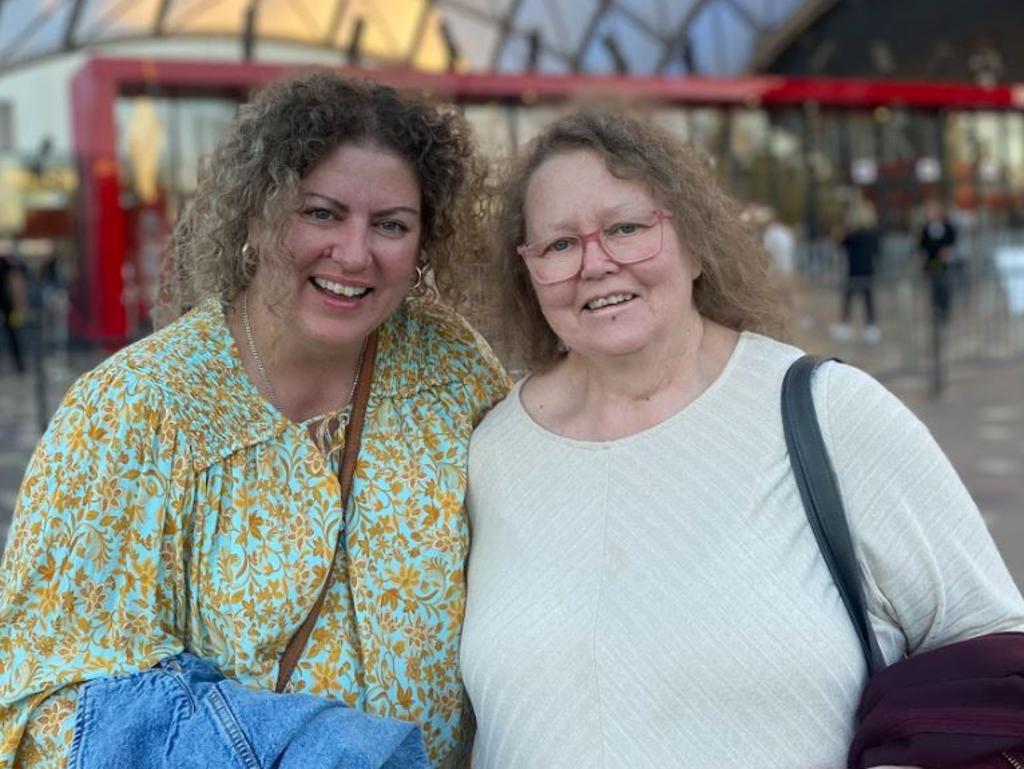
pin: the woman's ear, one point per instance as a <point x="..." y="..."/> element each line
<point x="696" y="261"/>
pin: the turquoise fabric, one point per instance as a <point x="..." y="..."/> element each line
<point x="170" y="507"/>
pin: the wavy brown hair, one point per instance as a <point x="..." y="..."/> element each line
<point x="733" y="289"/>
<point x="278" y="138"/>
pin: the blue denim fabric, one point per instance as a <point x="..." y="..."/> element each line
<point x="185" y="713"/>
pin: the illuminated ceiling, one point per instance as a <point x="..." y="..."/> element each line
<point x="591" y="36"/>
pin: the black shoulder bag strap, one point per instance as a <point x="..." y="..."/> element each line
<point x="822" y="501"/>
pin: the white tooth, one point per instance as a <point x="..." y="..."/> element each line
<point x="604" y="301"/>
<point x="340" y="289"/>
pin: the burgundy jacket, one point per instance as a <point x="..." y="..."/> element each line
<point x="960" y="706"/>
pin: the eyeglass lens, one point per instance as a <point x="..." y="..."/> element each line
<point x="626" y="241"/>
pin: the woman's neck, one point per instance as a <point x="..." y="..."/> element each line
<point x="638" y="377"/>
<point x="603" y="398"/>
<point x="308" y="387"/>
<point x="301" y="383"/>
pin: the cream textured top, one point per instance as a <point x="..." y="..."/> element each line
<point x="659" y="600"/>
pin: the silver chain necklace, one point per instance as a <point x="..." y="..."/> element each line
<point x="256" y="356"/>
<point x="263" y="371"/>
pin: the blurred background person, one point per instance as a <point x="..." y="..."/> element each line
<point x="860" y="245"/>
<point x="13" y="302"/>
<point x="780" y="241"/>
<point x="936" y="240"/>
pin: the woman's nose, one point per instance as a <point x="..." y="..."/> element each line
<point x="350" y="246"/>
<point x="595" y="259"/>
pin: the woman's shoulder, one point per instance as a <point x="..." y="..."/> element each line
<point x="507" y="422"/>
<point x="187" y="377"/>
<point x="860" y="416"/>
<point x="434" y="330"/>
<point x="146" y="369"/>
<point x="427" y="344"/>
<point x="842" y="390"/>
<point x="435" y="320"/>
<point x="763" y="356"/>
<point x="172" y="356"/>
<point x="757" y="365"/>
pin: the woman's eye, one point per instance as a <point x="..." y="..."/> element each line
<point x="393" y="227"/>
<point x="624" y="228"/>
<point x="319" y="214"/>
<point x="559" y="246"/>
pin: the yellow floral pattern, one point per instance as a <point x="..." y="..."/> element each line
<point x="170" y="507"/>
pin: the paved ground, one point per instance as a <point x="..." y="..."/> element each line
<point x="979" y="421"/>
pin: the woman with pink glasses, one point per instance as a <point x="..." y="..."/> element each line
<point x="644" y="589"/>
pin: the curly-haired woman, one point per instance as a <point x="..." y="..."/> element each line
<point x="644" y="587"/>
<point x="186" y="495"/>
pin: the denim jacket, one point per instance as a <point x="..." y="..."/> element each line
<point x="184" y="713"/>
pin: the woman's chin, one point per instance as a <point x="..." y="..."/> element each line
<point x="324" y="337"/>
<point x="617" y="346"/>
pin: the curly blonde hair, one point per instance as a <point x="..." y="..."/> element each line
<point x="278" y="138"/>
<point x="733" y="289"/>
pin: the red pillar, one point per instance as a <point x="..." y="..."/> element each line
<point x="98" y="312"/>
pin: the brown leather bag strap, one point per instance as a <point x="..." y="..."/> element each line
<point x="353" y="437"/>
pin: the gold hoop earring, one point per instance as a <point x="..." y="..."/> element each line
<point x="419" y="278"/>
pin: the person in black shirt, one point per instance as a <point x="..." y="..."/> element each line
<point x="938" y="236"/>
<point x="861" y="246"/>
<point x="12" y="304"/>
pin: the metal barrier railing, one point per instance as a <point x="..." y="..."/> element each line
<point x="984" y="322"/>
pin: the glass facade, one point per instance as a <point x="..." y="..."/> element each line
<point x="807" y="163"/>
<point x="810" y="164"/>
<point x="161" y="144"/>
<point x="38" y="226"/>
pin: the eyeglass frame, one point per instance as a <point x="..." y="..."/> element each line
<point x="596" y="236"/>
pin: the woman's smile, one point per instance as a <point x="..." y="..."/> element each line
<point x="609" y="302"/>
<point x="338" y="289"/>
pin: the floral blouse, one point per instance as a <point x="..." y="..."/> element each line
<point x="170" y="507"/>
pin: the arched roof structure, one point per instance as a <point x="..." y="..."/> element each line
<point x="641" y="37"/>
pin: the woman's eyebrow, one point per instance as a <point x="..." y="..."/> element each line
<point x="342" y="206"/>
<point x="399" y="210"/>
<point x="328" y="198"/>
<point x="566" y="225"/>
<point x="559" y="226"/>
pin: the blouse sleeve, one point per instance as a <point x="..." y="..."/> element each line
<point x="933" y="573"/>
<point x="92" y="581"/>
<point x="485" y="379"/>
